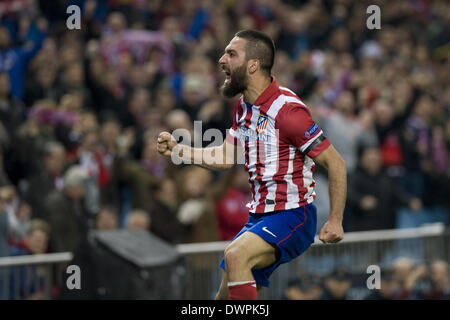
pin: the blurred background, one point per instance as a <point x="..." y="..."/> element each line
<point x="81" y="181"/>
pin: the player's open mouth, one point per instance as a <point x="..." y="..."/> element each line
<point x="227" y="76"/>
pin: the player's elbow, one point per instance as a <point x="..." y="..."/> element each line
<point x="341" y="162"/>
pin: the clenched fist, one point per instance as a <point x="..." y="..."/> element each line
<point x="166" y="143"/>
<point x="331" y="232"/>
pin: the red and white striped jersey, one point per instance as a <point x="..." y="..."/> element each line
<point x="280" y="140"/>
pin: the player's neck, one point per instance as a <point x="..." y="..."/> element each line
<point x="256" y="87"/>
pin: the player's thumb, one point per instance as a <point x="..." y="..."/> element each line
<point x="171" y="142"/>
<point x="164" y="136"/>
<point x="167" y="138"/>
<point x="322" y="234"/>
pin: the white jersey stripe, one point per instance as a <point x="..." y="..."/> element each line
<point x="291" y="92"/>
<point x="292" y="190"/>
<point x="307" y="144"/>
<point x="253" y="158"/>
<point x="286" y="89"/>
<point x="244" y="113"/>
<point x="272" y="163"/>
<point x="233" y="133"/>
<point x="308" y="179"/>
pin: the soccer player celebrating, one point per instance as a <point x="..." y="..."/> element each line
<point x="281" y="144"/>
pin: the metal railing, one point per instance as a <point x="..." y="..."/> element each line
<point x="30" y="276"/>
<point x="33" y="277"/>
<point x="355" y="253"/>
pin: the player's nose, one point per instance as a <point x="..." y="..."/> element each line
<point x="222" y="60"/>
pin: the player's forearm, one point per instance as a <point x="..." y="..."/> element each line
<point x="210" y="158"/>
<point x="337" y="179"/>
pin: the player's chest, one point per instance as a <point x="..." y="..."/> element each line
<point x="257" y="127"/>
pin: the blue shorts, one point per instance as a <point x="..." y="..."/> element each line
<point x="290" y="231"/>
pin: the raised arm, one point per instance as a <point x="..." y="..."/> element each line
<point x="214" y="158"/>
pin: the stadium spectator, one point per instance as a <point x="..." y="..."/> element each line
<point x="4" y="179"/>
<point x="406" y="275"/>
<point x="440" y="281"/>
<point x="35" y="241"/>
<point x="336" y="285"/>
<point x="30" y="279"/>
<point x="138" y="102"/>
<point x="17" y="211"/>
<point x="416" y="144"/>
<point x="107" y="219"/>
<point x="14" y="60"/>
<point x="427" y="282"/>
<point x="195" y="91"/>
<point x="42" y="85"/>
<point x="150" y="159"/>
<point x="388" y="124"/>
<point x="303" y="289"/>
<point x="344" y="130"/>
<point x="387" y="290"/>
<point x="196" y="210"/>
<point x="138" y="220"/>
<point x="138" y="178"/>
<point x="231" y="210"/>
<point x="4" y="232"/>
<point x="67" y="213"/>
<point x="372" y="196"/>
<point x="4" y="247"/>
<point x="47" y="180"/>
<point x="11" y="108"/>
<point x="19" y="221"/>
<point x="163" y="213"/>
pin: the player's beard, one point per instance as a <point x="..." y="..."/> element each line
<point x="238" y="82"/>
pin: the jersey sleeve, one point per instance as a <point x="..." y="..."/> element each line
<point x="298" y="129"/>
<point x="233" y="134"/>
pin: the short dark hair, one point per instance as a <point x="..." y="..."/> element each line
<point x="39" y="224"/>
<point x="50" y="146"/>
<point x="259" y="46"/>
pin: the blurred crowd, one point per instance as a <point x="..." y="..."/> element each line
<point x="80" y="111"/>
<point x="404" y="280"/>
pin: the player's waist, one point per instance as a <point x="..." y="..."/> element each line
<point x="256" y="213"/>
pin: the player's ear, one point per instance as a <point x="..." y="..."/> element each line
<point x="253" y="65"/>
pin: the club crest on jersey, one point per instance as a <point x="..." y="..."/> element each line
<point x="261" y="124"/>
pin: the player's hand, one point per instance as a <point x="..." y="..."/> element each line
<point x="166" y="143"/>
<point x="331" y="232"/>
